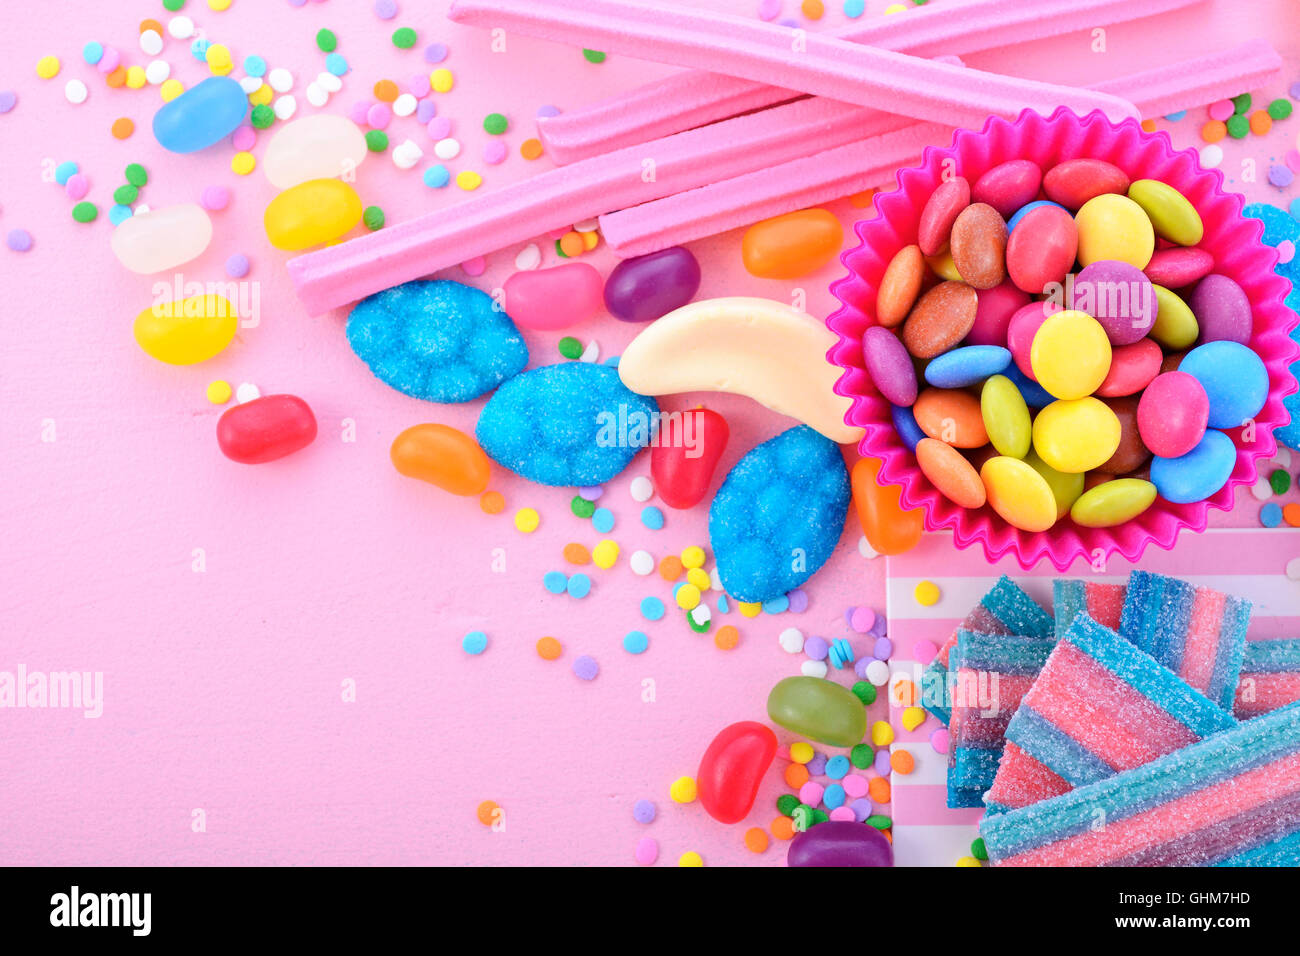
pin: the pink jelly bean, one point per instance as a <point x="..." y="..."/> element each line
<point x="1132" y="367"/>
<point x="993" y="310"/>
<point x="1172" y="414"/>
<point x="1175" y="268"/>
<point x="547" y="299"/>
<point x="1021" y="330"/>
<point x="889" y="365"/>
<point x="265" y="429"/>
<point x="940" y="212"/>
<point x="1222" y="310"/>
<point x="1008" y="186"/>
<point x="1042" y="248"/>
<point x="843" y="813"/>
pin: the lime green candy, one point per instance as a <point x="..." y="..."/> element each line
<point x="594" y="56"/>
<point x="327" y="41"/>
<point x="1238" y="126"/>
<point x="1006" y="417"/>
<point x="1066" y="487"/>
<point x="978" y="849"/>
<point x="879" y="821"/>
<point x="85" y="212"/>
<point x="581" y="507"/>
<point x="1279" y="109"/>
<point x="570" y="347"/>
<point x="1113" y="502"/>
<point x="262" y="116"/>
<point x="818" y="709"/>
<point x="1175" y="326"/>
<point x="1241" y="103"/>
<point x="1173" y="217"/>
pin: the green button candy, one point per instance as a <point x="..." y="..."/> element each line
<point x="818" y="709"/>
<point x="1113" y="502"/>
<point x="1006" y="417"/>
<point x="1173" y="217"/>
<point x="1175" y="326"/>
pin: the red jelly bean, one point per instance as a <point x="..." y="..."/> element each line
<point x="265" y="429"/>
<point x="683" y="461"/>
<point x="732" y="769"/>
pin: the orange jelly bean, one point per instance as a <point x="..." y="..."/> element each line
<point x="442" y="456"/>
<point x="793" y="245"/>
<point x="889" y="529"/>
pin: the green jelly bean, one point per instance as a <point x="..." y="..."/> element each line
<point x="818" y="709"/>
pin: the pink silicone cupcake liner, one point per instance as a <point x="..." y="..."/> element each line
<point x="1232" y="239"/>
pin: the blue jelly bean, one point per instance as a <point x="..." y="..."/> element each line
<point x="1198" y="474"/>
<point x="966" y="366"/>
<point x="635" y="642"/>
<point x="437" y="176"/>
<point x="92" y="52"/>
<point x="905" y="423"/>
<point x="1270" y="516"/>
<point x="65" y="171"/>
<point x="603" y="520"/>
<point x="203" y="115"/>
<point x="834" y="796"/>
<point x="254" y="65"/>
<point x="652" y="517"/>
<point x="652" y="609"/>
<point x="837" y="767"/>
<point x="579" y="585"/>
<point x="555" y="581"/>
<point x="1233" y="377"/>
<point x="337" y="64"/>
<point x="1026" y="209"/>
<point x="475" y="642"/>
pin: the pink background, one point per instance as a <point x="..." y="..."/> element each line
<point x="223" y="688"/>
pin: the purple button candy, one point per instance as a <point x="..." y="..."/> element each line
<point x="1119" y="296"/>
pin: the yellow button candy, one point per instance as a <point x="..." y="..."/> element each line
<point x="1070" y="354"/>
<point x="1114" y="227"/>
<point x="1006" y="417"/>
<point x="1076" y="436"/>
<point x="1176" y="326"/>
<point x="1018" y="493"/>
<point x="1172" y="216"/>
<point x="311" y="213"/>
<point x="941" y="264"/>
<point x="1113" y="502"/>
<point x="186" y="331"/>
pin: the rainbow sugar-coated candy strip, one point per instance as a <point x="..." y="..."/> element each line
<point x="1099" y="706"/>
<point x="1270" y="677"/>
<point x="1198" y="633"/>
<point x="1005" y="609"/>
<point x="1232" y="799"/>
<point x="1104" y="603"/>
<point x="992" y="673"/>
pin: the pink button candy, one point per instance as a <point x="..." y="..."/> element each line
<point x="1222" y="310"/>
<point x="1172" y="414"/>
<point x="1042" y="248"/>
<point x="993" y="311"/>
<point x="1008" y="186"/>
<point x="940" y="212"/>
<point x="1175" y="268"/>
<point x="889" y="366"/>
<point x="1021" y="330"/>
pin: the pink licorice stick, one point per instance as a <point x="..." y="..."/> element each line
<point x="811" y="63"/>
<point x="344" y="273"/>
<point x="696" y="97"/>
<point x="845" y="170"/>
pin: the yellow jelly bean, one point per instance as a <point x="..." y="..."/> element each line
<point x="793" y="245"/>
<point x="187" y="331"/>
<point x="1176" y="326"/>
<point x="1006" y="417"/>
<point x="1172" y="216"/>
<point x="682" y="790"/>
<point x="802" y="751"/>
<point x="1018" y="493"/>
<point x="1070" y="354"/>
<point x="882" y="735"/>
<point x="1113" y="502"/>
<point x="605" y="554"/>
<point x="1114" y="227"/>
<point x="1076" y="435"/>
<point x="913" y="717"/>
<point x="1066" y="486"/>
<point x="311" y="213"/>
<point x="941" y="264"/>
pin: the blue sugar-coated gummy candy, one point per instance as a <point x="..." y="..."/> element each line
<point x="1027" y="208"/>
<point x="1035" y="395"/>
<point x="204" y="114"/>
<point x="1280" y="226"/>
<point x="905" y="422"/>
<point x="1233" y="377"/>
<point x="573" y="424"/>
<point x="778" y="515"/>
<point x="1198" y="474"/>
<point x="436" y="339"/>
<point x="966" y="366"/>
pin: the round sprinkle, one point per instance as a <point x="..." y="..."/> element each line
<point x="8" y="99"/>
<point x="548" y="648"/>
<point x="122" y="127"/>
<point x="219" y="5"/>
<point x="577" y="554"/>
<point x="285" y="106"/>
<point x="373" y="217"/>
<point x="85" y="212"/>
<point x="1241" y="102"/>
<point x="214" y="198"/>
<point x="1211" y="155"/>
<point x="475" y="642"/>
<point x="682" y="790"/>
<point x="243" y="163"/>
<point x="492" y="502"/>
<point x="385" y="9"/>
<point x="593" y="56"/>
<point x="262" y="116"/>
<point x="76" y="92"/>
<point x="1238" y="126"/>
<point x="641" y="489"/>
<point x="569" y="347"/>
<point x="77" y="186"/>
<point x="326" y="40"/>
<point x="47" y="67"/>
<point x="581" y="507"/>
<point x="487" y="812"/>
<point x="495" y="152"/>
<point x="125" y="195"/>
<point x="527" y="520"/>
<point x="854" y="8"/>
<point x="1280" y="176"/>
<point x="19" y="240"/>
<point x="446" y="148"/>
<point x="690" y="858"/>
<point x="652" y="517"/>
<point x="442" y="80"/>
<point x="435" y="53"/>
<point x="693" y="557"/>
<point x="237" y="266"/>
<point x="496" y="124"/>
<point x="404" y="38"/>
<point x="531" y="149"/>
<point x="170" y="90"/>
<point x="605" y="554"/>
<point x="927" y="593"/>
<point x="1270" y="516"/>
<point x="641" y="562"/>
<point x="586" y="668"/>
<point x="469" y="180"/>
<point x="376" y="140"/>
<point x="243" y="138"/>
<point x="652" y="609"/>
<point x="647" y="851"/>
<point x="727" y="638"/>
<point x="119" y="214"/>
<point x="635" y="642"/>
<point x="437" y="176"/>
<point x="603" y="520"/>
<point x="254" y="65"/>
<point x="246" y="392"/>
<point x="1280" y="481"/>
<point x="1260" y="122"/>
<point x="65" y="171"/>
<point x="644" y="811"/>
<point x="337" y="64"/>
<point x="791" y="640"/>
<point x="438" y="128"/>
<point x="219" y="392"/>
<point x="1279" y="109"/>
<point x="92" y="52"/>
<point x="579" y="586"/>
<point x="151" y="42"/>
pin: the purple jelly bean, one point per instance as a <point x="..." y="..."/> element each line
<point x="647" y="287"/>
<point x="816" y="648"/>
<point x="1119" y="296"/>
<point x="883" y="649"/>
<point x="817" y="766"/>
<point x="881" y="765"/>
<point x="840" y="843"/>
<point x="1222" y="310"/>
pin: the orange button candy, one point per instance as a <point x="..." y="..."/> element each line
<point x="793" y="245"/>
<point x="952" y="416"/>
<point x="889" y="529"/>
<point x="442" y="456"/>
<point x="950" y="472"/>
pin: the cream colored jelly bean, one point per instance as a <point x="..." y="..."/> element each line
<point x="1019" y="494"/>
<point x="186" y="331"/>
<point x="1076" y="435"/>
<point x="1114" y="227"/>
<point x="162" y="239"/>
<point x="311" y="214"/>
<point x="1171" y="215"/>
<point x="1113" y="502"/>
<point x="322" y="146"/>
